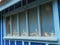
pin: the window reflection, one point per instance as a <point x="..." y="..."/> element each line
<point x="14" y="25"/>
<point x="33" y="22"/>
<point x="8" y="26"/>
<point x="22" y="24"/>
<point x="46" y="17"/>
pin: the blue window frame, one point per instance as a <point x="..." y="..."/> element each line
<point x="36" y="22"/>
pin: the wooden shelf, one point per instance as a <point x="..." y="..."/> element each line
<point x="34" y="38"/>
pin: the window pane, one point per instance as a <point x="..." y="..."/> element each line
<point x="47" y="24"/>
<point x="22" y="21"/>
<point x="33" y="23"/>
<point x="7" y="26"/>
<point x="14" y="25"/>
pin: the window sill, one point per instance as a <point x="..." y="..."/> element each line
<point x="34" y="38"/>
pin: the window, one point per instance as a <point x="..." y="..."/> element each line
<point x="46" y="17"/>
<point x="22" y="23"/>
<point x="14" y="25"/>
<point x="33" y="22"/>
<point x="8" y="26"/>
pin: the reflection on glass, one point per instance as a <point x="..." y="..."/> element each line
<point x="33" y="23"/>
<point x="14" y="25"/>
<point x="22" y="24"/>
<point x="7" y="26"/>
<point x="46" y="18"/>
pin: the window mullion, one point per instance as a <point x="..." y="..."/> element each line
<point x="4" y="26"/>
<point x="18" y="24"/>
<point x="11" y="25"/>
<point x="38" y="15"/>
<point x="27" y="22"/>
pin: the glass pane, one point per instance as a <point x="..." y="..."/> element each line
<point x="7" y="26"/>
<point x="33" y="23"/>
<point x="47" y="24"/>
<point x="22" y="21"/>
<point x="14" y="25"/>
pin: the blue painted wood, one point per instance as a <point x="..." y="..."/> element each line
<point x="6" y="42"/>
<point x="33" y="43"/>
<point x="4" y="28"/>
<point x="26" y="43"/>
<point x="18" y="42"/>
<point x="0" y="31"/>
<point x="59" y="10"/>
<point x="56" y="19"/>
<point x="12" y="42"/>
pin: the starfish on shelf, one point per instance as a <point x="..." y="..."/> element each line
<point x="36" y="33"/>
<point x="23" y="33"/>
<point x="46" y="34"/>
<point x="15" y="33"/>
